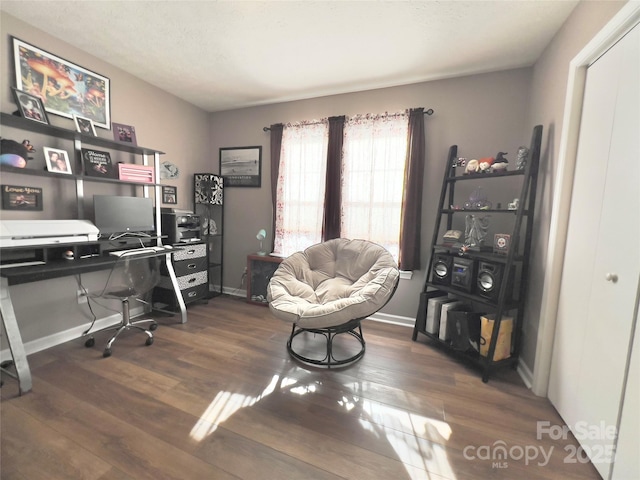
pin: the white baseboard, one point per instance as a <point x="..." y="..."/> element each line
<point x="525" y="373"/>
<point x="393" y="319"/>
<point x="74" y="333"/>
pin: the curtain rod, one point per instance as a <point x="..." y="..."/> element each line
<point x="429" y="112"/>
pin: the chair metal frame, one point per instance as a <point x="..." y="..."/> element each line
<point x="125" y="324"/>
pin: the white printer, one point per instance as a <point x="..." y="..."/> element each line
<point x="25" y="233"/>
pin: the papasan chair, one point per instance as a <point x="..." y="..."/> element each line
<point x="327" y="290"/>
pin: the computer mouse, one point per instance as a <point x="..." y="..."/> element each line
<point x="68" y="255"/>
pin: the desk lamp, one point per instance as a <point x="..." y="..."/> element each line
<point x="262" y="233"/>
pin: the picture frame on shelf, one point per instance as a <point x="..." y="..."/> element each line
<point x="57" y="160"/>
<point x="97" y="163"/>
<point x="84" y="125"/>
<point x="19" y="197"/>
<point x="66" y="88"/>
<point x="30" y="106"/>
<point x="241" y="166"/>
<point x="169" y="194"/>
<point x="124" y="134"/>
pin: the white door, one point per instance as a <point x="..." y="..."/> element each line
<point x="601" y="269"/>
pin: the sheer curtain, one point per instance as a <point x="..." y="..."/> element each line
<point x="374" y="159"/>
<point x="301" y="186"/>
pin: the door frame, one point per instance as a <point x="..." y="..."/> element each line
<point x="618" y="26"/>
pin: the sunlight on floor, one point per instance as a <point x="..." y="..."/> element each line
<point x="418" y="441"/>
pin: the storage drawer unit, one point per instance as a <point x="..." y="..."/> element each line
<point x="190" y="266"/>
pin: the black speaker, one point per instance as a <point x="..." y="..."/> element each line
<point x="489" y="280"/>
<point x="441" y="268"/>
<point x="463" y="274"/>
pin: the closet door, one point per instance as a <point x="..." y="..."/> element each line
<point x="592" y="344"/>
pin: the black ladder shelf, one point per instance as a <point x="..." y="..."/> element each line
<point x="514" y="265"/>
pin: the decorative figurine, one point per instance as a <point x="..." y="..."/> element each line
<point x="472" y="166"/>
<point x="513" y="205"/>
<point x="521" y="159"/>
<point x="500" y="162"/>
<point x="484" y="164"/>
<point x="478" y="200"/>
<point x="460" y="162"/>
<point x="475" y="230"/>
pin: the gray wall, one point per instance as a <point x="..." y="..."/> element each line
<point x="482" y="114"/>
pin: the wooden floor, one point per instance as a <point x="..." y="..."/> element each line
<point x="219" y="398"/>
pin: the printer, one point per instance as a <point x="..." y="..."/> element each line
<point x="25" y="233"/>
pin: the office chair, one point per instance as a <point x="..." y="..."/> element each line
<point x="130" y="278"/>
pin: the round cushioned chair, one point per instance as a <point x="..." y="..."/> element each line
<point x="328" y="289"/>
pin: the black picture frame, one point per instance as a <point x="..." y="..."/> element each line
<point x="20" y="197"/>
<point x="36" y="70"/>
<point x="30" y="106"/>
<point x="169" y="194"/>
<point x="241" y="166"/>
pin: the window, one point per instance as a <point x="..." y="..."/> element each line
<point x="374" y="158"/>
<point x="370" y="187"/>
<point x="301" y="186"/>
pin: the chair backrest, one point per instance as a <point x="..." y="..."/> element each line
<point x="132" y="276"/>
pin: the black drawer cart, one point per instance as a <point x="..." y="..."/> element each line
<point x="513" y="263"/>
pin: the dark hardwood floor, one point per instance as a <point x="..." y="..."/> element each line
<point x="220" y="398"/>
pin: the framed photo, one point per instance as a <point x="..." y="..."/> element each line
<point x="57" y="160"/>
<point x="15" y="197"/>
<point x="30" y="106"/>
<point x="241" y="166"/>
<point x="65" y="88"/>
<point x="169" y="194"/>
<point x="84" y="125"/>
<point x="124" y="134"/>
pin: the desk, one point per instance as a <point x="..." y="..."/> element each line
<point x="56" y="269"/>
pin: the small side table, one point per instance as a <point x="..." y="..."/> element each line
<point x="260" y="269"/>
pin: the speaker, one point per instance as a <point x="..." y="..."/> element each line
<point x="463" y="274"/>
<point x="441" y="268"/>
<point x="489" y="279"/>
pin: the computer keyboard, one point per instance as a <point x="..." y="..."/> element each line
<point x="141" y="251"/>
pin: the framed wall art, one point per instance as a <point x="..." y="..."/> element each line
<point x="30" y="106"/>
<point x="17" y="197"/>
<point x="66" y="89"/>
<point x="57" y="160"/>
<point x="241" y="166"/>
<point x="169" y="194"/>
<point x="124" y="134"/>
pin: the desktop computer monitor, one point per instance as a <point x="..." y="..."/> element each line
<point x="115" y="215"/>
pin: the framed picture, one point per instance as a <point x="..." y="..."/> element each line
<point x="124" y="134"/>
<point x="65" y="88"/>
<point x="241" y="166"/>
<point x="16" y="197"/>
<point x="84" y="125"/>
<point x="97" y="163"/>
<point x="30" y="106"/>
<point x="169" y="194"/>
<point x="57" y="160"/>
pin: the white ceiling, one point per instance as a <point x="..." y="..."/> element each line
<point x="222" y="55"/>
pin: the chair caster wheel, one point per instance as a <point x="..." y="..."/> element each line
<point x="106" y="353"/>
<point x="90" y="342"/>
<point x="149" y="341"/>
<point x="153" y="327"/>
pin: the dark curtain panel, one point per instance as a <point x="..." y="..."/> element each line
<point x="333" y="188"/>
<point x="276" y="145"/>
<point x="412" y="206"/>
